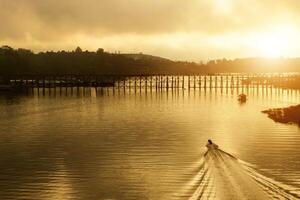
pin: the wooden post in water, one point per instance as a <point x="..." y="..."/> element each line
<point x="129" y="82"/>
<point x="22" y="81"/>
<point x="118" y="83"/>
<point x="37" y="83"/>
<point x="54" y="82"/>
<point x="194" y="82"/>
<point x="96" y="82"/>
<point x="227" y="82"/>
<point x="221" y="82"/>
<point x="55" y="78"/>
<point x="242" y="85"/>
<point x="167" y="86"/>
<point x="26" y="82"/>
<point x="216" y="81"/>
<point x="140" y="83"/>
<point x="32" y="82"/>
<point x="249" y="82"/>
<point x="135" y="83"/>
<point x="49" y="85"/>
<point x="189" y="82"/>
<point x="199" y="82"/>
<point x="146" y="83"/>
<point x="77" y="81"/>
<point x="60" y="83"/>
<point x="182" y="82"/>
<point x="124" y="84"/>
<point x="44" y="85"/>
<point x="66" y="84"/>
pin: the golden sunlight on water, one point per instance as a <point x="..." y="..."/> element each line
<point x="115" y="144"/>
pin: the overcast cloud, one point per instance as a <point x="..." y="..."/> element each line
<point x="186" y="29"/>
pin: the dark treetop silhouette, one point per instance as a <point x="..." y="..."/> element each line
<point x="23" y="61"/>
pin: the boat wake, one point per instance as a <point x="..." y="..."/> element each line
<point x="222" y="176"/>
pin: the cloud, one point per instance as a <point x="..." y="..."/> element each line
<point x="56" y="24"/>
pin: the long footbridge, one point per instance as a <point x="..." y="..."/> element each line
<point x="156" y="81"/>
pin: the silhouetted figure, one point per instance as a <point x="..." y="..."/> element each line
<point x="242" y="98"/>
<point x="210" y="145"/>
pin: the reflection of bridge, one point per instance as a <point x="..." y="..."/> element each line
<point x="157" y="81"/>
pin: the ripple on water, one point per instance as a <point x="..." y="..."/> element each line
<point x="142" y="146"/>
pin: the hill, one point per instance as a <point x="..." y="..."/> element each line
<point x="24" y="61"/>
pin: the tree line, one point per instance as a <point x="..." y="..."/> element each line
<point x="23" y="61"/>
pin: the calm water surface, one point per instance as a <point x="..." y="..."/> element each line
<point x="109" y="144"/>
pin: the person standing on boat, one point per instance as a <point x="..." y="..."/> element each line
<point x="210" y="145"/>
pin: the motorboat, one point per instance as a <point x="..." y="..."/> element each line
<point x="242" y="98"/>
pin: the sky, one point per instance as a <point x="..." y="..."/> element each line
<point x="192" y="30"/>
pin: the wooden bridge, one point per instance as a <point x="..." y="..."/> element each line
<point x="156" y="81"/>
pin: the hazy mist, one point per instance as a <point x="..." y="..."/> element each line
<point x="192" y="29"/>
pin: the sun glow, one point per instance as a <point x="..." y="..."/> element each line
<point x="223" y="6"/>
<point x="276" y="43"/>
<point x="273" y="46"/>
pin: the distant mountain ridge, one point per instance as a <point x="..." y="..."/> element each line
<point x="141" y="56"/>
<point x="24" y="61"/>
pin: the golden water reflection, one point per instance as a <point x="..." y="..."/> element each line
<point x="116" y="144"/>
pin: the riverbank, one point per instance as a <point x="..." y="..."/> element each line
<point x="285" y="115"/>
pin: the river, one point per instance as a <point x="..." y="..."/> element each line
<point x="114" y="144"/>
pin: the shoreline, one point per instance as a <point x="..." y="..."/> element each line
<point x="288" y="115"/>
